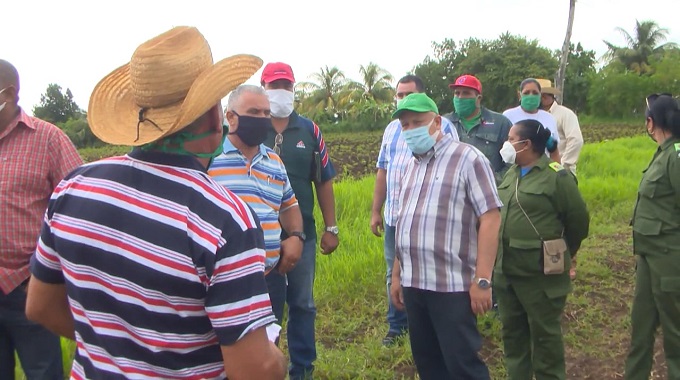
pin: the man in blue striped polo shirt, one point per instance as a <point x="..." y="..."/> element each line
<point x="257" y="175"/>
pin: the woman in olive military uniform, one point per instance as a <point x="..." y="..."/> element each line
<point x="656" y="242"/>
<point x="543" y="210"/>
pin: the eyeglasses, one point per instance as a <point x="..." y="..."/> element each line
<point x="277" y="143"/>
<point x="651" y="98"/>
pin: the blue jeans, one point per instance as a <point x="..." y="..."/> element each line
<point x="395" y="318"/>
<point x="299" y="294"/>
<point x="39" y="350"/>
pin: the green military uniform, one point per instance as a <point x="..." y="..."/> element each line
<point x="656" y="242"/>
<point x="488" y="136"/>
<point x="531" y="303"/>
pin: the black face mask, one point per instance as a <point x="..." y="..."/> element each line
<point x="252" y="130"/>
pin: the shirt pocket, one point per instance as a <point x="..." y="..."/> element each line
<point x="655" y="185"/>
<point x="523" y="257"/>
<point x="647" y="227"/>
<point x="487" y="143"/>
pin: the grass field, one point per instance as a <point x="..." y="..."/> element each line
<point x="350" y="287"/>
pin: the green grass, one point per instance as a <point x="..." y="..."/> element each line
<point x="350" y="285"/>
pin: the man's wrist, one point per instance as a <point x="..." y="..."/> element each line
<point x="332" y="229"/>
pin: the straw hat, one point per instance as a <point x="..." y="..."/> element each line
<point x="169" y="83"/>
<point x="547" y="88"/>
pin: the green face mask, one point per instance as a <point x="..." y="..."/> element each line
<point x="175" y="144"/>
<point x="464" y="106"/>
<point x="530" y="102"/>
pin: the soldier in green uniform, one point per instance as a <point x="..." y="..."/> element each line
<point x="542" y="206"/>
<point x="656" y="242"/>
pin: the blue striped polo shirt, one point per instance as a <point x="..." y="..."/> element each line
<point x="263" y="184"/>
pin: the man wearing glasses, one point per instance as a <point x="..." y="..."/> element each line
<point x="304" y="153"/>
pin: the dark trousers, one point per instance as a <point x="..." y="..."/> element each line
<point x="39" y="350"/>
<point x="444" y="338"/>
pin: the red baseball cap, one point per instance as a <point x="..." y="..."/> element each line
<point x="277" y="70"/>
<point x="469" y="81"/>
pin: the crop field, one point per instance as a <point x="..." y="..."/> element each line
<point x="350" y="284"/>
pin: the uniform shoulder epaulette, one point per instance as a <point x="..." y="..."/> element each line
<point x="556" y="166"/>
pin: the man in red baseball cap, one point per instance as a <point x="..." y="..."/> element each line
<point x="476" y="125"/>
<point x="300" y="144"/>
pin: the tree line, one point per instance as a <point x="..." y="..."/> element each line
<point x="610" y="87"/>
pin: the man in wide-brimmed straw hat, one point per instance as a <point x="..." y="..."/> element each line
<point x="163" y="267"/>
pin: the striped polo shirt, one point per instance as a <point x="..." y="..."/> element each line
<point x="443" y="194"/>
<point x="393" y="156"/>
<point x="263" y="184"/>
<point x="162" y="265"/>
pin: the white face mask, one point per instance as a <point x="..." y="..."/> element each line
<point x="508" y="152"/>
<point x="281" y="102"/>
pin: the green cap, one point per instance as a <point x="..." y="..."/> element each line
<point x="416" y="102"/>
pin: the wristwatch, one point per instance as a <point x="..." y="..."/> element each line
<point x="299" y="234"/>
<point x="333" y="229"/>
<point x="483" y="283"/>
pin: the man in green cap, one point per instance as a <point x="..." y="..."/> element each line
<point x="476" y="125"/>
<point x="446" y="243"/>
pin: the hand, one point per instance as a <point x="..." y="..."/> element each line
<point x="480" y="299"/>
<point x="377" y="224"/>
<point x="329" y="242"/>
<point x="572" y="271"/>
<point x="397" y="295"/>
<point x="291" y="251"/>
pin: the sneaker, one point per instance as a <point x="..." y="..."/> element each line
<point x="392" y="337"/>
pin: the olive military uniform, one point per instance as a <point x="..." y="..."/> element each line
<point x="531" y="303"/>
<point x="488" y="136"/>
<point x="656" y="242"/>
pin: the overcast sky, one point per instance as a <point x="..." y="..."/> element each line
<point x="76" y="43"/>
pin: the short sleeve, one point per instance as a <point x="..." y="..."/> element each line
<point x="327" y="169"/>
<point x="237" y="300"/>
<point x="45" y="263"/>
<point x="481" y="185"/>
<point x="288" y="199"/>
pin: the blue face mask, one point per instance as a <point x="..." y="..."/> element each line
<point x="419" y="139"/>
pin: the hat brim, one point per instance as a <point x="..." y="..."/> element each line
<point x="551" y="91"/>
<point x="113" y="114"/>
<point x="276" y="77"/>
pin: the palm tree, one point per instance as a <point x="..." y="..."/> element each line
<point x="326" y="90"/>
<point x="646" y="42"/>
<point x="375" y="83"/>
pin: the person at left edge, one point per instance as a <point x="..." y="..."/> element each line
<point x="34" y="156"/>
<point x="256" y="174"/>
<point x="304" y="153"/>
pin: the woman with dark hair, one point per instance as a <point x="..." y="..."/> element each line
<point x="656" y="243"/>
<point x="544" y="221"/>
<point x="529" y="108"/>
